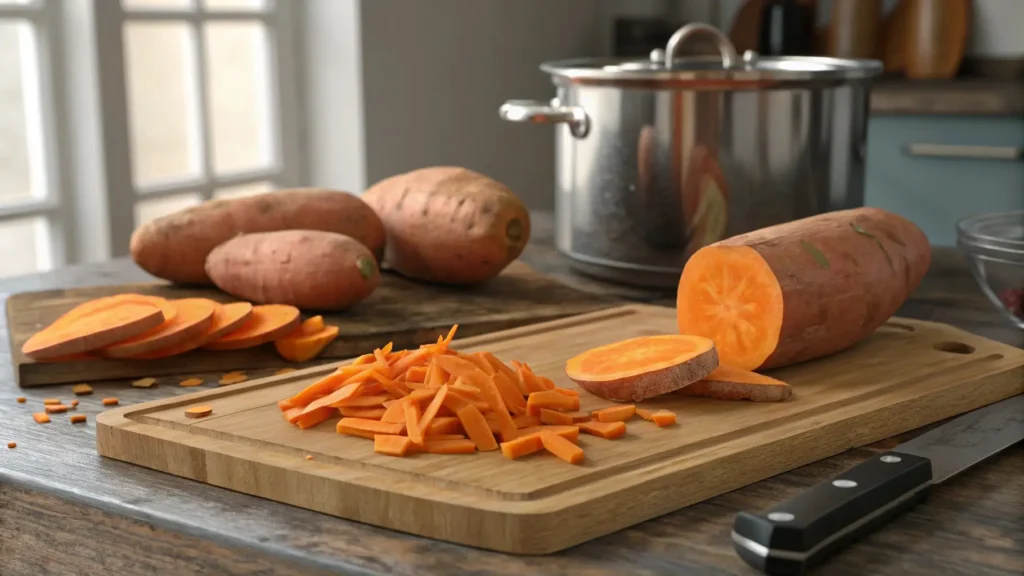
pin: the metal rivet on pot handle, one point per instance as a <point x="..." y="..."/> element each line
<point x="729" y="57"/>
<point x="542" y="112"/>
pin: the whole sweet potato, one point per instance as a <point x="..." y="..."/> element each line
<point x="175" y="246"/>
<point x="303" y="268"/>
<point x="449" y="225"/>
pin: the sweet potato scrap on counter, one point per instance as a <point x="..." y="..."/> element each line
<point x="190" y="382"/>
<point x="143" y="382"/>
<point x="436" y="400"/>
<point x="41" y="417"/>
<point x="309" y="456"/>
<point x="232" y="378"/>
<point x="51" y="401"/>
<point x="78" y="418"/>
<point x="55" y="408"/>
<point x="12" y="444"/>
<point x="111" y="401"/>
<point x="21" y="400"/>
<point x="198" y="412"/>
<point x="81" y="389"/>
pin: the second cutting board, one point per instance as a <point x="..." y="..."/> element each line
<point x="401" y="311"/>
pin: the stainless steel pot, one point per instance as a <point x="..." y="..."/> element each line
<point x="660" y="157"/>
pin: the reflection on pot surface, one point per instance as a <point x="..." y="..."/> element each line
<point x="673" y="159"/>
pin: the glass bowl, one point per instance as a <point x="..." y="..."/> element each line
<point x="994" y="246"/>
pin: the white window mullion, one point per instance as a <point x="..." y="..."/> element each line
<point x="286" y="94"/>
<point x="121" y="197"/>
<point x="19" y="211"/>
<point x="50" y="139"/>
<point x="204" y="137"/>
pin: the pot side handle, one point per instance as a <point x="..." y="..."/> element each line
<point x="538" y="112"/>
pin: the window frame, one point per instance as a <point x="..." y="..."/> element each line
<point x="283" y="101"/>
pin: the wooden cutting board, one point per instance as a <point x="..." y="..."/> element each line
<point x="400" y="310"/>
<point x="906" y="375"/>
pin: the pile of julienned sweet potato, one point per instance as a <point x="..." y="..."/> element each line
<point x="137" y="326"/>
<point x="321" y="249"/>
<point x="767" y="299"/>
<point x="438" y="400"/>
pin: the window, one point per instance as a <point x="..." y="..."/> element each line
<point x="196" y="99"/>
<point x="31" y="223"/>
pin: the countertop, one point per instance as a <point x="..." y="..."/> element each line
<point x="64" y="509"/>
<point x="964" y="96"/>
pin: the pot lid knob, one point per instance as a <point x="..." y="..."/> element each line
<point x="729" y="57"/>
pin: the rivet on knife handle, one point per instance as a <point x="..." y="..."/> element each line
<point x="802" y="532"/>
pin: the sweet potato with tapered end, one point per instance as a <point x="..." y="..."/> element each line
<point x="303" y="268"/>
<point x="449" y="225"/>
<point x="175" y="246"/>
<point x="731" y="383"/>
<point x="801" y="290"/>
<point x="641" y="368"/>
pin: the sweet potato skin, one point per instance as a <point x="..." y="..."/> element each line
<point x="842" y="274"/>
<point x="175" y="246"/>
<point x="449" y="225"/>
<point x="308" y="269"/>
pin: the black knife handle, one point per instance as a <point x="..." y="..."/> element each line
<point x="799" y="533"/>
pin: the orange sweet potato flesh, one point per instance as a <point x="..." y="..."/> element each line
<point x="801" y="290"/>
<point x="306" y="346"/>
<point x="640" y="368"/>
<point x="94" y="331"/>
<point x="192" y="319"/>
<point x="449" y="225"/>
<point x="309" y="269"/>
<point x="266" y="324"/>
<point x="175" y="247"/>
<point x="106" y="302"/>
<point x="226" y="318"/>
<point x="730" y="383"/>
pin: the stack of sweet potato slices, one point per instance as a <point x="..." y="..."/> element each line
<point x="438" y="400"/>
<point x="142" y="327"/>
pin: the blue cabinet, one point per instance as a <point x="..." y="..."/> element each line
<point x="935" y="170"/>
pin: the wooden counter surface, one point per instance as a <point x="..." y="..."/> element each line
<point x="64" y="509"/>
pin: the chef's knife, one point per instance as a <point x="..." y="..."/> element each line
<point x="799" y="533"/>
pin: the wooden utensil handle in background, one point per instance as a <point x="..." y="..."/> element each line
<point x="855" y="28"/>
<point x="936" y="37"/>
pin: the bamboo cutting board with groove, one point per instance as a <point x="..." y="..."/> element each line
<point x="906" y="375"/>
<point x="400" y="310"/>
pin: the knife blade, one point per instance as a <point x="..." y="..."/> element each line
<point x="803" y="531"/>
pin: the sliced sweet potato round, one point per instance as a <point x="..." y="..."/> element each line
<point x="107" y="302"/>
<point x="731" y="383"/>
<point x="226" y="318"/>
<point x="266" y="324"/>
<point x="93" y="331"/>
<point x="640" y="368"/>
<point x="193" y="317"/>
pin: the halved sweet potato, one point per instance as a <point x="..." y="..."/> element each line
<point x="801" y="290"/>
<point x="640" y="368"/>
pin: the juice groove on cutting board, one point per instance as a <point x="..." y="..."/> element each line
<point x="900" y="378"/>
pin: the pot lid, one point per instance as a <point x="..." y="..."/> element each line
<point x="664" y="65"/>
